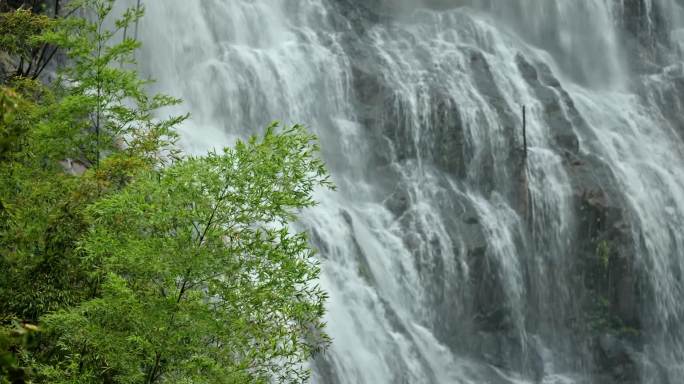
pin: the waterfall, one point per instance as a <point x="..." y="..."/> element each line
<point x="449" y="256"/>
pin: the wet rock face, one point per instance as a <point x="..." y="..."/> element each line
<point x="646" y="34"/>
<point x="611" y="301"/>
<point x="617" y="360"/>
<point x="607" y="284"/>
<point x="7" y="65"/>
<point x="448" y="135"/>
<point x="670" y="96"/>
<point x="556" y="102"/>
<point x="605" y="277"/>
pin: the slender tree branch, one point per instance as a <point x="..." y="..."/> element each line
<point x="45" y="63"/>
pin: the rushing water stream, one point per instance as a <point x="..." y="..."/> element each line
<point x="451" y="255"/>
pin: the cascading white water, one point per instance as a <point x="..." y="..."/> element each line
<point x="449" y="258"/>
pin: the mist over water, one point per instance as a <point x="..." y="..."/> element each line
<point x="449" y="256"/>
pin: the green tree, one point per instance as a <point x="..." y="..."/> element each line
<point x="9" y="103"/>
<point x="95" y="108"/>
<point x="19" y="32"/>
<point x="103" y="107"/>
<point x="142" y="266"/>
<point x="15" y="338"/>
<point x="204" y="283"/>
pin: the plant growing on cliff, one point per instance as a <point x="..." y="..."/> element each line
<point x="603" y="253"/>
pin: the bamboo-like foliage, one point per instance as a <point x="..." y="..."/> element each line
<point x="203" y="280"/>
<point x="144" y="266"/>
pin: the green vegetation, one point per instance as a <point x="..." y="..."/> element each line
<point x="19" y="38"/>
<point x="122" y="260"/>
<point x="601" y="311"/>
<point x="603" y="253"/>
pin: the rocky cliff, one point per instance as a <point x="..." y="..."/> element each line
<point x="452" y="253"/>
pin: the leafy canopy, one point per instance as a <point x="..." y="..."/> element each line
<point x="143" y="266"/>
<point x="203" y="280"/>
